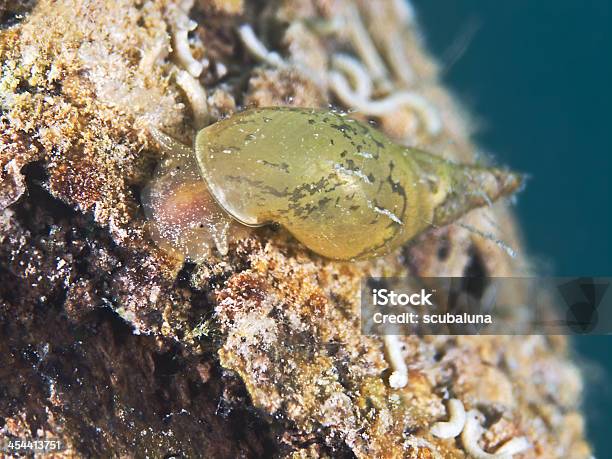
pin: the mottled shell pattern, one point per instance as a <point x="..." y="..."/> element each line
<point x="337" y="185"/>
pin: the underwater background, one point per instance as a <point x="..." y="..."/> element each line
<point x="537" y="77"/>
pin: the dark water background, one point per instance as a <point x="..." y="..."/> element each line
<point x="537" y="75"/>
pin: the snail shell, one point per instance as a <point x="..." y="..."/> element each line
<point x="337" y="185"/>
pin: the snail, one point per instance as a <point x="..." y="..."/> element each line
<point x="339" y="186"/>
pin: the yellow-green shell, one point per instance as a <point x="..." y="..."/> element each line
<point x="337" y="185"/>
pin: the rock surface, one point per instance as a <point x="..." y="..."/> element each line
<point x="113" y="346"/>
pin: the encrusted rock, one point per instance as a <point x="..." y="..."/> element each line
<point x="113" y="346"/>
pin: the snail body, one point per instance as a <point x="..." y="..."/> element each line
<point x="337" y="185"/>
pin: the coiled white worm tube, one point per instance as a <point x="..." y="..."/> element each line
<point x="399" y="376"/>
<point x="387" y="105"/>
<point x="180" y="39"/>
<point x="257" y="49"/>
<point x="197" y="97"/>
<point x="455" y="423"/>
<point x="364" y="45"/>
<point x="356" y="72"/>
<point x="472" y="432"/>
